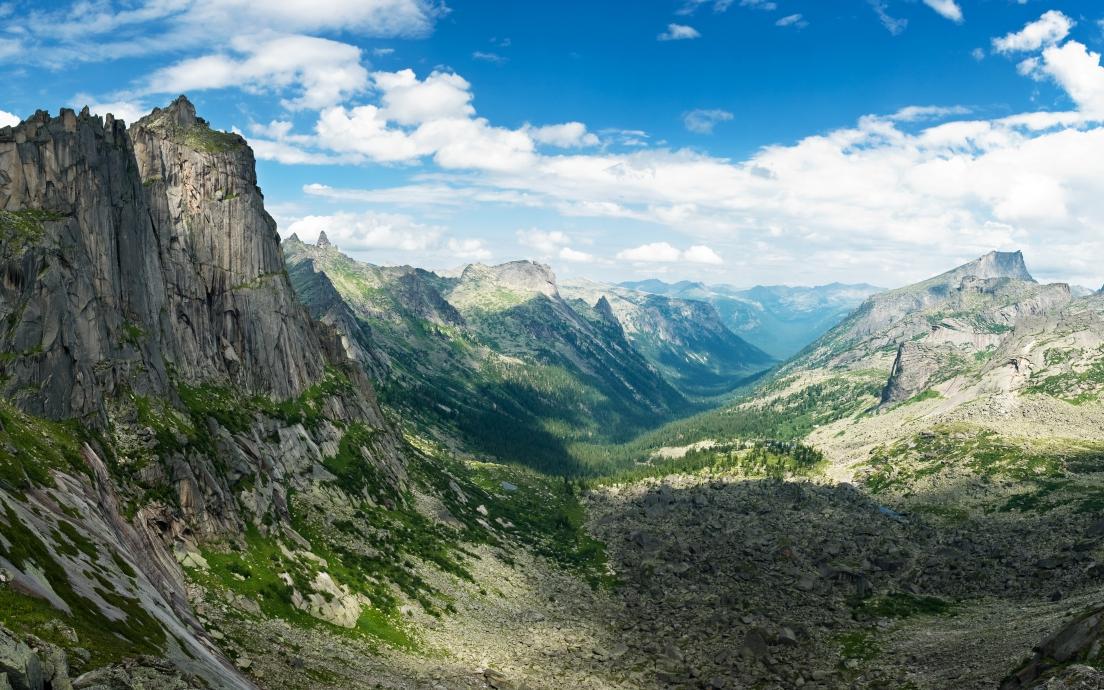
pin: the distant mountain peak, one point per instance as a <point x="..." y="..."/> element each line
<point x="522" y="276"/>
<point x="997" y="265"/>
<point x="322" y="242"/>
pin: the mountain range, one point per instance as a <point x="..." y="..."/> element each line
<point x="779" y="319"/>
<point x="231" y="462"/>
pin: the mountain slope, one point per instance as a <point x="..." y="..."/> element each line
<point x="495" y="353"/>
<point x="778" y="319"/>
<point x="684" y="339"/>
<point x="181" y="443"/>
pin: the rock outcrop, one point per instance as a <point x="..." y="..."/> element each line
<point x="1079" y="642"/>
<point x="144" y="296"/>
<point x="912" y="370"/>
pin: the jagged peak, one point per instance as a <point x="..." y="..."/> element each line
<point x="996" y="264"/>
<point x="293" y="237"/>
<point x="322" y="242"/>
<point x="180" y="114"/>
<point x="523" y="275"/>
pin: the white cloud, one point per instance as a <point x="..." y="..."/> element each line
<point x="656" y="252"/>
<point x="383" y="52"/>
<point x="545" y="242"/>
<point x="664" y="252"/>
<point x="469" y="249"/>
<point x="703" y="121"/>
<point x="794" y="20"/>
<point x="915" y="113"/>
<point x="765" y="5"/>
<point x="128" y="111"/>
<point x="8" y="120"/>
<point x="576" y="256"/>
<point x="363" y="231"/>
<point x="566" y="135"/>
<point x="909" y="192"/>
<point x="678" y="32"/>
<point x="1078" y="71"/>
<point x="423" y="195"/>
<point x="978" y="54"/>
<point x="1047" y="30"/>
<point x="84" y="31"/>
<point x="701" y="254"/>
<point x="554" y="243"/>
<point x="410" y="101"/>
<point x="318" y="71"/>
<point x="948" y="9"/>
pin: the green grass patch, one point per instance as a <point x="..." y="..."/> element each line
<point x="904" y="605"/>
<point x="30" y="447"/>
<point x="860" y="645"/>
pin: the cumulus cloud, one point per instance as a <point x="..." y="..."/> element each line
<point x="948" y="9"/>
<point x="8" y="120"/>
<point x="370" y="230"/>
<point x="703" y="121"/>
<point x="544" y="242"/>
<point x="566" y="135"/>
<point x="664" y="252"/>
<point x="128" y="111"/>
<point x="469" y="249"/>
<point x="382" y="237"/>
<point x="1078" y="71"/>
<point x="678" y="32"/>
<point x="701" y="254"/>
<point x="410" y="101"/>
<point x="318" y="71"/>
<point x="553" y="244"/>
<point x="1047" y="30"/>
<point x="576" y="256"/>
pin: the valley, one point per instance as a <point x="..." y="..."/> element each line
<point x="232" y="461"/>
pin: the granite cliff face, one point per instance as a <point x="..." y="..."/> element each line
<point x="146" y="308"/>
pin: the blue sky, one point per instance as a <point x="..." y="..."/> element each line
<point x="739" y="141"/>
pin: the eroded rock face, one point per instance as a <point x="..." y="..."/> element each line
<point x="1078" y="642"/>
<point x="912" y="370"/>
<point x="134" y="264"/>
<point x="229" y="304"/>
<point x="129" y="253"/>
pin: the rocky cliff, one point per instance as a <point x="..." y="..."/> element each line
<point x="146" y="309"/>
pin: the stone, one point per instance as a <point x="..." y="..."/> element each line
<point x="755" y="644"/>
<point x="19" y="664"/>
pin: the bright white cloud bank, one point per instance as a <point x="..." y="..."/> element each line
<point x="946" y="8"/>
<point x="8" y="120"/>
<point x="909" y="192"/>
